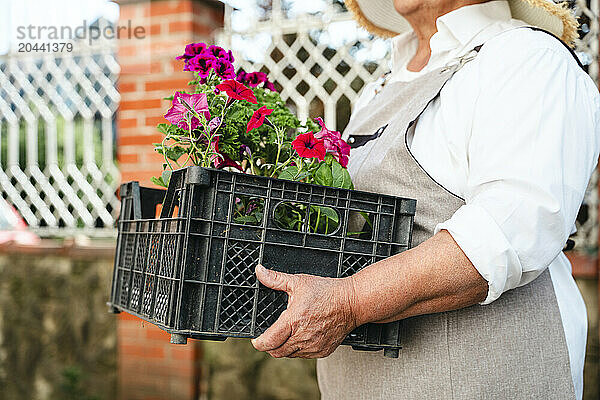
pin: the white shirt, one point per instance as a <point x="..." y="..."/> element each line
<point x="515" y="133"/>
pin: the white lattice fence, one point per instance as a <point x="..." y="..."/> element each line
<point x="57" y="135"/>
<point x="321" y="60"/>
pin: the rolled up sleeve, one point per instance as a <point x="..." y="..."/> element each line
<point x="494" y="257"/>
<point x="532" y="149"/>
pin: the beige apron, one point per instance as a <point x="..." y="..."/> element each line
<point x="514" y="348"/>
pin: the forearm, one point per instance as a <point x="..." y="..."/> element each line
<point x="433" y="277"/>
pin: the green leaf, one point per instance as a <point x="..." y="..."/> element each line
<point x="166" y="177"/>
<point x="329" y="158"/>
<point x="367" y="218"/>
<point x="330" y="213"/>
<point x="246" y="219"/>
<point x="289" y="173"/>
<point x="341" y="176"/>
<point x="355" y="233"/>
<point x="164" y="128"/>
<point x="169" y="130"/>
<point x="323" y="175"/>
<point x="158" y="181"/>
<point x="174" y="153"/>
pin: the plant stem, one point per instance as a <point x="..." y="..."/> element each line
<point x="285" y="164"/>
<point x="252" y="165"/>
<point x="300" y="165"/>
<point x="318" y="219"/>
<point x="165" y="153"/>
<point x="276" y="160"/>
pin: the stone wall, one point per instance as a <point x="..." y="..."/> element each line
<point x="235" y="370"/>
<point x="57" y="340"/>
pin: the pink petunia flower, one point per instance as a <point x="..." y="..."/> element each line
<point x="258" y="118"/>
<point x="237" y="91"/>
<point x="334" y="143"/>
<point x="180" y="111"/>
<point x="308" y="146"/>
<point x="214" y="124"/>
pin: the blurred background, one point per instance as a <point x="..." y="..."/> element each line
<point x="78" y="118"/>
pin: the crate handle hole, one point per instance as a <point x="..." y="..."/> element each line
<point x="248" y="210"/>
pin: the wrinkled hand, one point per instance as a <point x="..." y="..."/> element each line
<point x="318" y="317"/>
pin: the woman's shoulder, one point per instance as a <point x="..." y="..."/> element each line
<point x="525" y="46"/>
<point x="525" y="58"/>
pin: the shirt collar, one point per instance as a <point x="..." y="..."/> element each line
<point x="456" y="29"/>
<point x="462" y="25"/>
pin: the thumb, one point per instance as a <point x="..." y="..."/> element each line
<point x="275" y="336"/>
<point x="274" y="279"/>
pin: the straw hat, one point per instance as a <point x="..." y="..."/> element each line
<point x="381" y="18"/>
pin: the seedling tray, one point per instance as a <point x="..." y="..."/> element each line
<point x="191" y="271"/>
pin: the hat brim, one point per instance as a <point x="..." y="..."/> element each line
<point x="381" y="18"/>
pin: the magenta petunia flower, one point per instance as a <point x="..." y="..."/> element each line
<point x="258" y="118"/>
<point x="230" y="57"/>
<point x="202" y="63"/>
<point x="224" y="69"/>
<point x="270" y="86"/>
<point x="237" y="91"/>
<point x="241" y="76"/>
<point x="180" y="111"/>
<point x="256" y="78"/>
<point x="334" y="144"/>
<point x="192" y="50"/>
<point x="308" y="146"/>
<point x="218" y="52"/>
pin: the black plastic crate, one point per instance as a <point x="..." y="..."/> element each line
<point x="191" y="271"/>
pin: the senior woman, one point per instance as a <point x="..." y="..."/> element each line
<point x="492" y="125"/>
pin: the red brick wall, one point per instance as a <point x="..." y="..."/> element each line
<point x="149" y="366"/>
<point x="149" y="72"/>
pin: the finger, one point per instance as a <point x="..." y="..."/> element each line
<point x="274" y="279"/>
<point x="310" y="355"/>
<point x="284" y="351"/>
<point x="297" y="354"/>
<point x="275" y="336"/>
